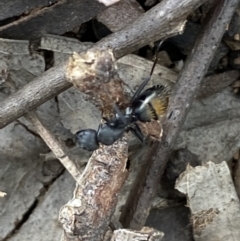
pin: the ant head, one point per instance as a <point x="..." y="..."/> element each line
<point x="87" y="139"/>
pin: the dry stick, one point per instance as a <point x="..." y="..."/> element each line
<point x="55" y="145"/>
<point x="38" y="91"/>
<point x="165" y="19"/>
<point x="87" y="215"/>
<point x="57" y="148"/>
<point x="182" y="96"/>
<point x="152" y="25"/>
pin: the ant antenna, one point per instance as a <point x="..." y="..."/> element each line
<point x="141" y="87"/>
<point x="156" y="57"/>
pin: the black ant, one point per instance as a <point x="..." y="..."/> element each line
<point x="144" y="106"/>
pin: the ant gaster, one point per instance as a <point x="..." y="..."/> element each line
<point x="144" y="106"/>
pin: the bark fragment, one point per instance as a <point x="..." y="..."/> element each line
<point x="146" y="234"/>
<point x="213" y="202"/>
<point x="94" y="73"/>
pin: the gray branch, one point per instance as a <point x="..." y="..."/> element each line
<point x="180" y="101"/>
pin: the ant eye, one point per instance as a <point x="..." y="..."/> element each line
<point x="79" y="133"/>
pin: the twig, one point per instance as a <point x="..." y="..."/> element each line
<point x="88" y="214"/>
<point x="180" y="101"/>
<point x="94" y="74"/>
<point x="38" y="91"/>
<point x="164" y="20"/>
<point x="58" y="149"/>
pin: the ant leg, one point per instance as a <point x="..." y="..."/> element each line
<point x="144" y="83"/>
<point x="135" y="129"/>
<point x="120" y="114"/>
<point x="139" y="90"/>
<point x="99" y="127"/>
<point x="105" y="119"/>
